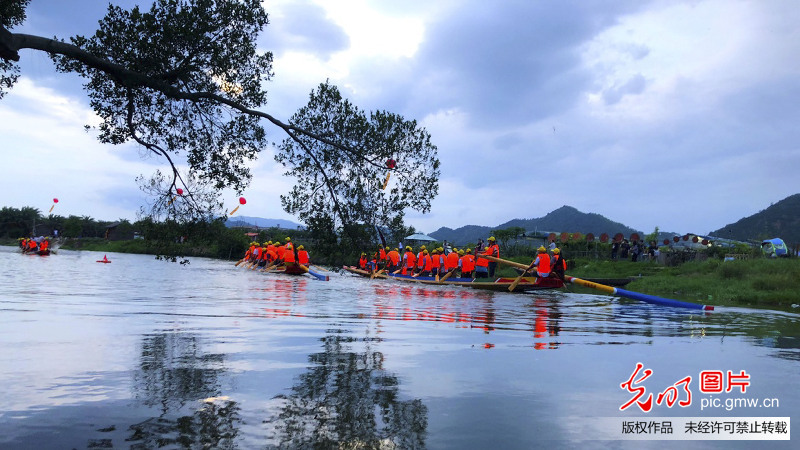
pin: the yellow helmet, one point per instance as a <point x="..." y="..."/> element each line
<point x="277" y="243"/>
<point x="408" y="247"/>
<point x="300" y="247"/>
<point x="469" y="250"/>
<point x="556" y="251"/>
<point x="422" y="247"/>
<point x="542" y="249"/>
<point x="461" y="253"/>
<point x="491" y="238"/>
<point x="288" y="239"/>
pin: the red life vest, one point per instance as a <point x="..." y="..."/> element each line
<point x="362" y="262"/>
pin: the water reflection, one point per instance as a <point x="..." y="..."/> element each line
<point x="173" y="372"/>
<point x="347" y="399"/>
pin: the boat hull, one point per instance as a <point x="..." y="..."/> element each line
<point x="499" y="284"/>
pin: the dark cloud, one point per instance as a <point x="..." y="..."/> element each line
<point x="505" y="63"/>
<point x="303" y="26"/>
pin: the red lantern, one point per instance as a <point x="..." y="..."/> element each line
<point x="55" y="200"/>
<point x="390" y="163"/>
<point x="666" y="241"/>
<point x="179" y="191"/>
<point x="242" y="200"/>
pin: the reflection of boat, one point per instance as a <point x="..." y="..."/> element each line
<point x="500" y="284"/>
<point x="607" y="281"/>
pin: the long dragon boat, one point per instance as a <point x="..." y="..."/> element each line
<point x="499" y="284"/>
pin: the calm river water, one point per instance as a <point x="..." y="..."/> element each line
<point x="146" y="354"/>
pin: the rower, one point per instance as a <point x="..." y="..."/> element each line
<point x="558" y="264"/>
<point x="481" y="264"/>
<point x="542" y="263"/>
<point x="393" y="260"/>
<point x="302" y="256"/>
<point x="466" y="263"/>
<point x="493" y="250"/>
<point x="409" y="261"/>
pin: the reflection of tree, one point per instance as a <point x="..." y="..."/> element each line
<point x="348" y="400"/>
<point x="173" y="372"/>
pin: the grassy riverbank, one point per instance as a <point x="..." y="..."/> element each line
<point x="759" y="283"/>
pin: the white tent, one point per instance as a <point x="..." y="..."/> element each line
<point x="420" y="237"/>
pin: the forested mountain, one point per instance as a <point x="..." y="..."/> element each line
<point x="560" y="220"/>
<point x="780" y="220"/>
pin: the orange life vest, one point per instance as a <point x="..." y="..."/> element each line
<point x="494" y="250"/>
<point x="288" y="253"/>
<point x="451" y="261"/>
<point x="394" y="257"/>
<point x="544" y="263"/>
<point x="420" y="260"/>
<point x="483" y="262"/>
<point x="467" y="263"/>
<point x="410" y="260"/>
<point x="381" y="254"/>
<point x="302" y="257"/>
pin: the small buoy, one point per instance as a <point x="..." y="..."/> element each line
<point x="104" y="260"/>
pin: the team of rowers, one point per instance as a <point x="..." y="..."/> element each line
<point x="271" y="254"/>
<point x="34" y="245"/>
<point x="435" y="262"/>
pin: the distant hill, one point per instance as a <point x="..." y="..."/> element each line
<point x="245" y="221"/>
<point x="780" y="220"/>
<point x="562" y="219"/>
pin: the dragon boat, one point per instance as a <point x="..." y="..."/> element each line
<point x="498" y="284"/>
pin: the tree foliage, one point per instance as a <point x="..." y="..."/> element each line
<point x="185" y="80"/>
<point x="345" y="182"/>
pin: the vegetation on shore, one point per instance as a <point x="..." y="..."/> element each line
<point x="754" y="282"/>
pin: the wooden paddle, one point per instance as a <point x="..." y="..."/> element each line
<point x="505" y="261"/>
<point x="516" y="282"/>
<point x="320" y="268"/>
<point x="273" y="264"/>
<point x="375" y="273"/>
<point x="240" y="261"/>
<point x="446" y="276"/>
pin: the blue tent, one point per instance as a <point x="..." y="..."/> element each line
<point x="774" y="247"/>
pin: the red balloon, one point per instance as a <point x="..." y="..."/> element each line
<point x="180" y="191"/>
<point x="55" y="200"/>
<point x="242" y="200"/>
<point x="391" y="163"/>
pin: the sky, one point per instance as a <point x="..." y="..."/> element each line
<point x="679" y="115"/>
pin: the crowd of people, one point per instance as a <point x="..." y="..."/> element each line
<point x="447" y="262"/>
<point x="271" y="254"/>
<point x="624" y="249"/>
<point x="39" y="244"/>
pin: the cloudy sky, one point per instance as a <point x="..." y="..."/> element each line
<point x="680" y="115"/>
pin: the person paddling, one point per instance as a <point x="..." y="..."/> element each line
<point x="558" y="264"/>
<point x="542" y="263"/>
